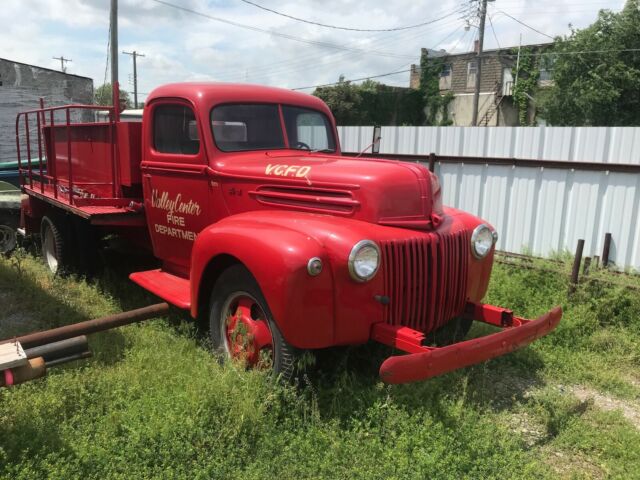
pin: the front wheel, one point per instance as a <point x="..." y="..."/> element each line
<point x="242" y="327"/>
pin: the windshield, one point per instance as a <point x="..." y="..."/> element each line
<point x="241" y="127"/>
<point x="308" y="129"/>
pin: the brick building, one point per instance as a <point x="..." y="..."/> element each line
<point x="495" y="106"/>
<point x="22" y="86"/>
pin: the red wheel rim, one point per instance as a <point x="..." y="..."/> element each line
<point x="246" y="330"/>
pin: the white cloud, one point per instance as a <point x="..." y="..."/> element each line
<point x="180" y="46"/>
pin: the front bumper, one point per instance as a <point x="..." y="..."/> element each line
<point x="426" y="362"/>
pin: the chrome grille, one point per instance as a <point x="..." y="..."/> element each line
<point x="425" y="279"/>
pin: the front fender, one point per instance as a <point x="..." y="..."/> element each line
<point x="277" y="256"/>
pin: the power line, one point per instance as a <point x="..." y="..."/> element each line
<point x="350" y="29"/>
<point x="581" y="52"/>
<point x="304" y="61"/>
<point x="494" y="31"/>
<point x="353" y="80"/>
<point x="106" y="63"/>
<point x="284" y="35"/>
<point x="524" y="24"/>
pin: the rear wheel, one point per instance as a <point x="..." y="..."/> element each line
<point x="242" y="327"/>
<point x="8" y="238"/>
<point x="53" y="245"/>
<point x="452" y="332"/>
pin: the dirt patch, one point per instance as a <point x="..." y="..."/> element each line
<point x="629" y="409"/>
<point x="17" y="323"/>
<point x="571" y="464"/>
<point x="531" y="431"/>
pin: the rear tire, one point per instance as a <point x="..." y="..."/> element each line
<point x="242" y="327"/>
<point x="8" y="236"/>
<point x="452" y="332"/>
<point x="53" y="245"/>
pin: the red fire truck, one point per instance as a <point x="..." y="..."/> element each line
<point x="265" y="230"/>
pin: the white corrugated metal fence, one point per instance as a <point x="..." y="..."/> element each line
<point x="536" y="210"/>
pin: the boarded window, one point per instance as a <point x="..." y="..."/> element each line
<point x="445" y="78"/>
<point x="472" y="71"/>
<point x="175" y="130"/>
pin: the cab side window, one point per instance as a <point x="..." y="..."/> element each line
<point x="175" y="130"/>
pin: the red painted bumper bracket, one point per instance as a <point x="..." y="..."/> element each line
<point x="426" y="362"/>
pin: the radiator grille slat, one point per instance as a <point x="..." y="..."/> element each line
<point x="425" y="279"/>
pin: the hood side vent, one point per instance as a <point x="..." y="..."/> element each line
<point x="318" y="200"/>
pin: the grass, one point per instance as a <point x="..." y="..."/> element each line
<point x="153" y="404"/>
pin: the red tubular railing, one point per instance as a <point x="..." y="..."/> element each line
<point x="41" y="123"/>
<point x="40" y="150"/>
<point x="26" y="124"/>
<point x="69" y="163"/>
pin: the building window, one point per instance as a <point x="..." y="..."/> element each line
<point x="472" y="71"/>
<point x="445" y="78"/>
<point x="546" y="70"/>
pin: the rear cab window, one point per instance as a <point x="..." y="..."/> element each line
<point x="175" y="130"/>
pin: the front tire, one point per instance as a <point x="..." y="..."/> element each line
<point x="242" y="327"/>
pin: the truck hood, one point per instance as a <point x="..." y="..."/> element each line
<point x="380" y="191"/>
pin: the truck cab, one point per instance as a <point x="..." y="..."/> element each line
<point x="281" y="243"/>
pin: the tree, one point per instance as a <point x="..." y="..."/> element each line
<point x="103" y="96"/>
<point x="372" y="103"/>
<point x="600" y="86"/>
<point x="343" y="99"/>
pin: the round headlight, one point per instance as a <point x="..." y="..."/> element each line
<point x="364" y="260"/>
<point x="482" y="239"/>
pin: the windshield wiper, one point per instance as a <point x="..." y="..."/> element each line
<point x="324" y="150"/>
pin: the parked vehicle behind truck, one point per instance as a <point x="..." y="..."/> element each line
<point x="266" y="232"/>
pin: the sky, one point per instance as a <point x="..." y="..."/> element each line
<point x="271" y="49"/>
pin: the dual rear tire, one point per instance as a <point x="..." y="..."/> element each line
<point x="68" y="245"/>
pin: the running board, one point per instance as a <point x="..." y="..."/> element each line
<point x="171" y="288"/>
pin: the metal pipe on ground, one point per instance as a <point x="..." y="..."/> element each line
<point x="70" y="358"/>
<point x="90" y="326"/>
<point x="61" y="349"/>
<point x="36" y="368"/>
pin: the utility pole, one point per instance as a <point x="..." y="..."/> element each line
<point x="476" y="93"/>
<point x="63" y="60"/>
<point x="115" y="86"/>
<point x="134" y="55"/>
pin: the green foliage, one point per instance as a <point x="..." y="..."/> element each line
<point x="152" y="403"/>
<point x="527" y="73"/>
<point x="601" y="88"/>
<point x="372" y="103"/>
<point x="437" y="105"/>
<point x="104" y="96"/>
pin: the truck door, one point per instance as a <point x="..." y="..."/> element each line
<point x="175" y="182"/>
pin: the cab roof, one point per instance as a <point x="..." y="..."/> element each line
<point x="207" y="94"/>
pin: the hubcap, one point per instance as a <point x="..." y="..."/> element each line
<point x="49" y="250"/>
<point x="7" y="239"/>
<point x="245" y="331"/>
